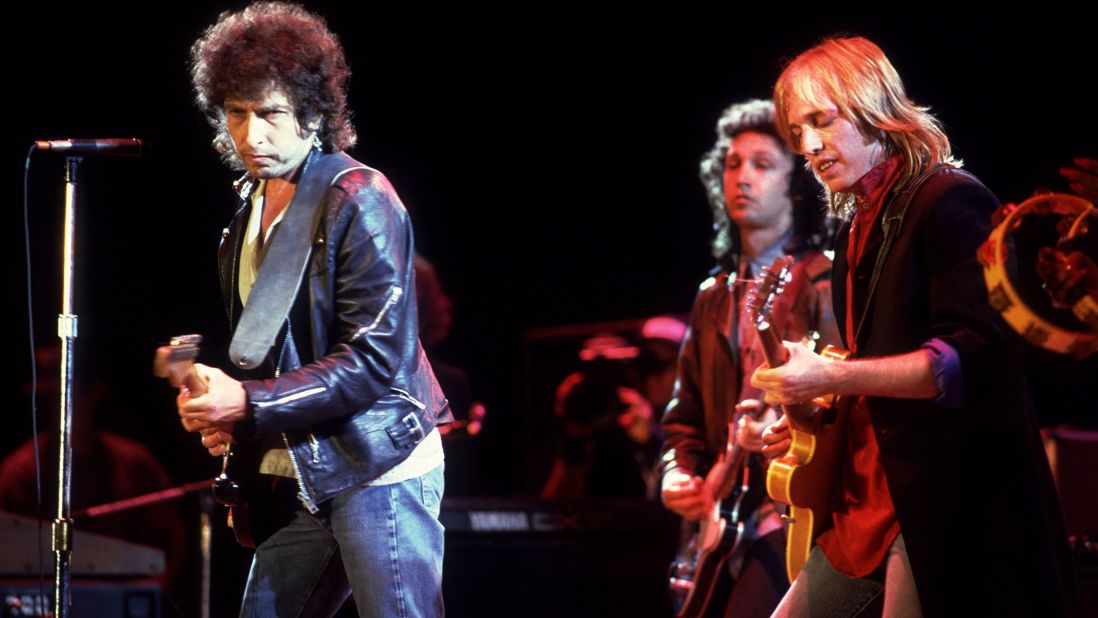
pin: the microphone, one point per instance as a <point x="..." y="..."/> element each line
<point x="115" y="147"/>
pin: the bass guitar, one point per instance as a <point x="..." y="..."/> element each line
<point x="706" y="545"/>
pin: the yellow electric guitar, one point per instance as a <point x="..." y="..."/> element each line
<point x="802" y="478"/>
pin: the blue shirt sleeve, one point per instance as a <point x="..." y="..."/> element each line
<point x="946" y="365"/>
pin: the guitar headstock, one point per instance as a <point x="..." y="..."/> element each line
<point x="175" y="362"/>
<point x="768" y="286"/>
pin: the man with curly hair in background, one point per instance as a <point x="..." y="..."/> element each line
<point x="339" y="404"/>
<point x="765" y="205"/>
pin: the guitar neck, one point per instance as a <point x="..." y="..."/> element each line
<point x="176" y="363"/>
<point x="735" y="456"/>
<point x="772" y="348"/>
<point x="776" y="355"/>
<point x="194" y="382"/>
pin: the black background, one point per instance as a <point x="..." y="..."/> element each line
<point x="548" y="159"/>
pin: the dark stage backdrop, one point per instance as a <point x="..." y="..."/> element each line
<point x="548" y="160"/>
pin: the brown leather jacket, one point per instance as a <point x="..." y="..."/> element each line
<point x="711" y="380"/>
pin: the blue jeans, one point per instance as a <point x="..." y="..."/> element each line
<point x="382" y="543"/>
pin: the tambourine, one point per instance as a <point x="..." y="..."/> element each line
<point x="1004" y="298"/>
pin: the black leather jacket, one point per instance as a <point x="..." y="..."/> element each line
<point x="363" y="393"/>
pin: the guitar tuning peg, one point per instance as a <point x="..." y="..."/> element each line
<point x="186" y="340"/>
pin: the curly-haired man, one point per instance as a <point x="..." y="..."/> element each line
<point x="765" y="206"/>
<point x="340" y="405"/>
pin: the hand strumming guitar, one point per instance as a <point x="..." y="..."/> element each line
<point x="752" y="422"/>
<point x="214" y="412"/>
<point x="686" y="495"/>
<point x="776" y="439"/>
<point x="769" y="434"/>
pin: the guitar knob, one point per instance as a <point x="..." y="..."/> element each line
<point x="788" y="519"/>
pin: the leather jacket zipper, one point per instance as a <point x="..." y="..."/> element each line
<point x="302" y="494"/>
<point x="292" y="397"/>
<point x="392" y="300"/>
<point x="406" y="396"/>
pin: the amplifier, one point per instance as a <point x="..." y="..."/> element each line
<point x="93" y="555"/>
<point x="89" y="599"/>
<point x="525" y="557"/>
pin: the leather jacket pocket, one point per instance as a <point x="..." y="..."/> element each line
<point x="387" y="430"/>
<point x="407" y="432"/>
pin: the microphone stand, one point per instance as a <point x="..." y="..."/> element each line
<point x="61" y="531"/>
<point x="66" y="331"/>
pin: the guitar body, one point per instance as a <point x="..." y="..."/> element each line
<point x="803" y="479"/>
<point x="241" y="468"/>
<point x="240" y="521"/>
<point x="705" y="546"/>
<point x="261" y="509"/>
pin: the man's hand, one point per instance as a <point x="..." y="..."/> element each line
<point x="217" y="439"/>
<point x="776" y="439"/>
<point x="749" y="431"/>
<point x="686" y="495"/>
<point x="1084" y="178"/>
<point x="214" y="412"/>
<point x="803" y="377"/>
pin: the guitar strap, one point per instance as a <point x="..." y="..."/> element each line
<point x="285" y="257"/>
<point x="891" y="221"/>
